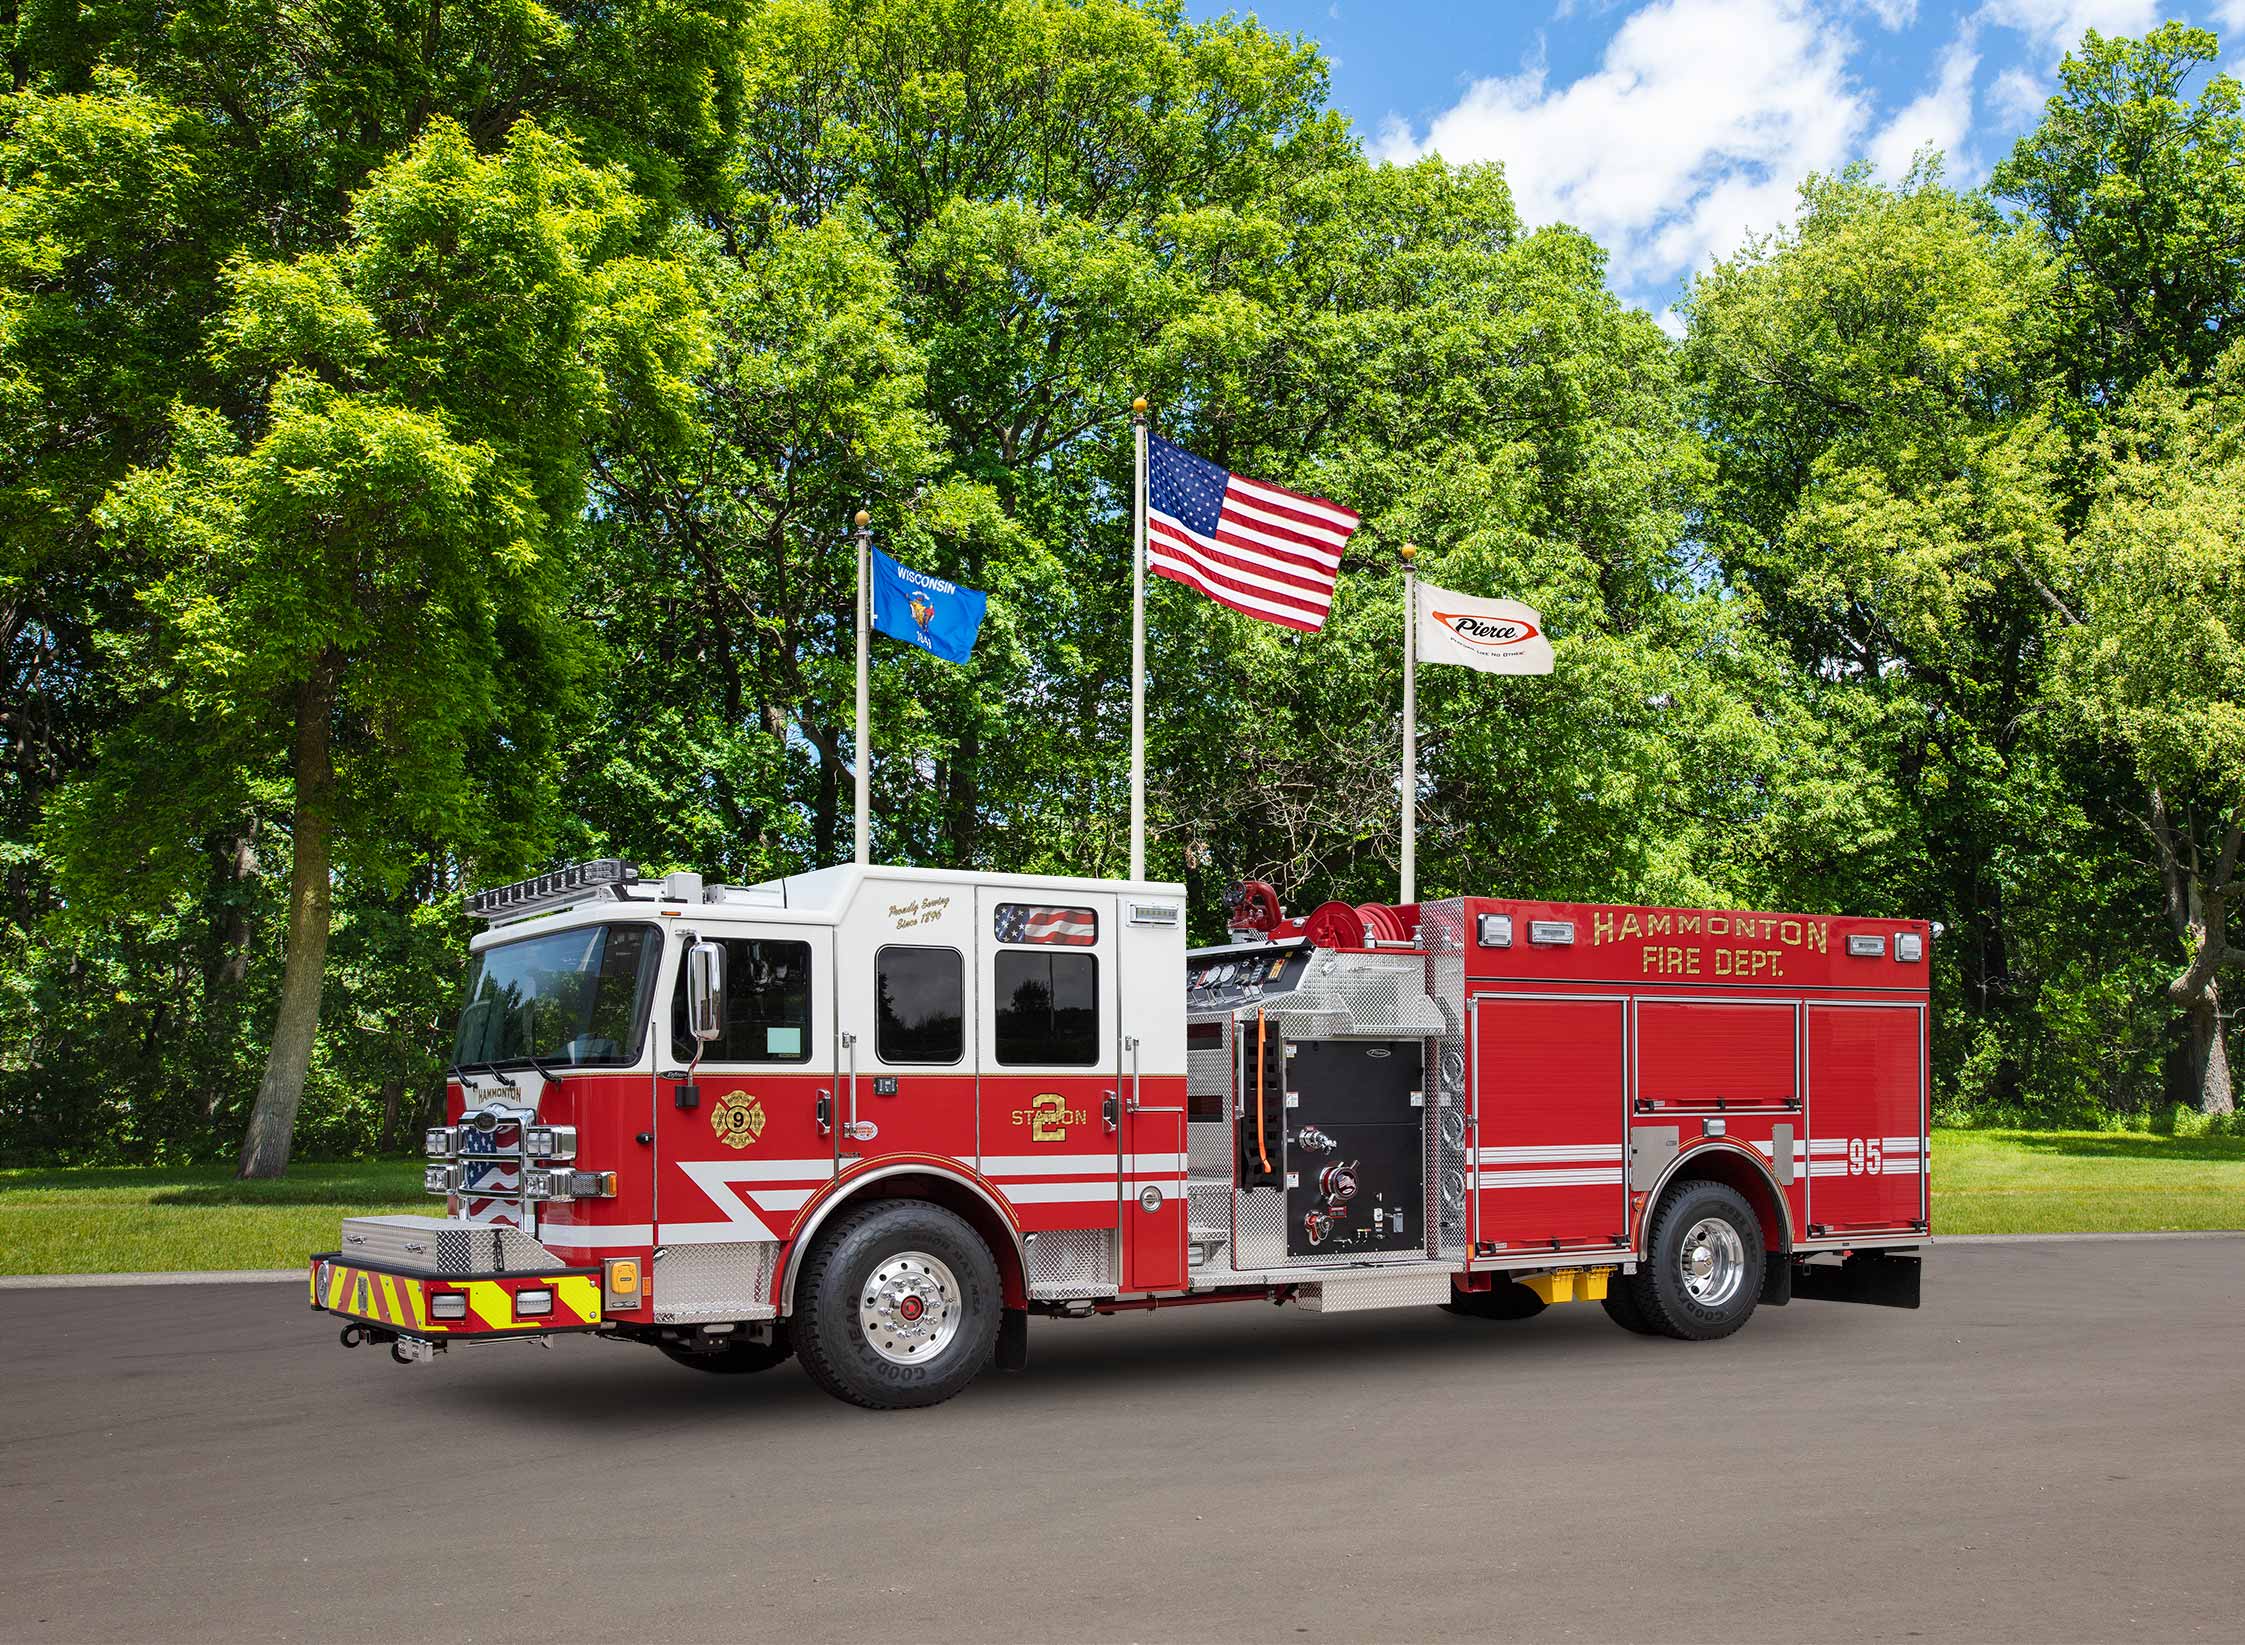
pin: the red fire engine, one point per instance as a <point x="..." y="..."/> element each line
<point x="877" y="1117"/>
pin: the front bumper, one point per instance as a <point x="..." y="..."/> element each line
<point x="494" y="1305"/>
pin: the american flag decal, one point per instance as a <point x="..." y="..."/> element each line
<point x="1260" y="549"/>
<point x="1028" y="922"/>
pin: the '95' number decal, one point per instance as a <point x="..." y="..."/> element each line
<point x="1862" y="1156"/>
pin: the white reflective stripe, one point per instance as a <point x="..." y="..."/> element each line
<point x="780" y="1199"/>
<point x="1048" y="1165"/>
<point x="1827" y="1145"/>
<point x="709" y="1233"/>
<point x="1049" y="1193"/>
<point x="1550" y="1151"/>
<point x="1157" y="1162"/>
<point x="1168" y="1185"/>
<point x="590" y="1239"/>
<point x="1901" y="1145"/>
<point x="1547" y="1179"/>
<point x="717" y="1179"/>
<point x="778" y="1170"/>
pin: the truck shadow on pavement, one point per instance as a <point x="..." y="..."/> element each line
<point x="1070" y="1359"/>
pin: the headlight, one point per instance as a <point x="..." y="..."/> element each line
<point x="440" y="1179"/>
<point x="562" y="1184"/>
<point x="550" y="1142"/>
<point x="532" y="1304"/>
<point x="448" y="1305"/>
<point x="437" y="1143"/>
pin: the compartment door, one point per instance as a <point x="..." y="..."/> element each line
<point x="1866" y="1151"/>
<point x="1550" y="1109"/>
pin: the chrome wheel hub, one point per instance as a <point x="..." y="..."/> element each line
<point x="1712" y="1262"/>
<point x="909" y="1308"/>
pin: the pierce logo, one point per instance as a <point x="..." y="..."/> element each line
<point x="1488" y="633"/>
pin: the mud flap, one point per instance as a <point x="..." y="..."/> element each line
<point x="1013" y="1339"/>
<point x="1873" y="1277"/>
<point x="1777" y="1281"/>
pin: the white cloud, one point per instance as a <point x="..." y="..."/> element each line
<point x="1694" y="130"/>
<point x="1941" y="116"/>
<point x="2231" y="14"/>
<point x="2017" y="98"/>
<point x="1893" y="14"/>
<point x="2058" y="25"/>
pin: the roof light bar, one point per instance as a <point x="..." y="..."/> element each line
<point x="563" y="885"/>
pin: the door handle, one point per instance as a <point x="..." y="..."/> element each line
<point x="825" y="1112"/>
<point x="1107" y="1111"/>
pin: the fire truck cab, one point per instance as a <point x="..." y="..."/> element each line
<point x="877" y="1117"/>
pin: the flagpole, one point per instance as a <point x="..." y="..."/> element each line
<point x="1138" y="649"/>
<point x="1410" y="727"/>
<point x="864" y="709"/>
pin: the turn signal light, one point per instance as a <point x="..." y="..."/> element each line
<point x="437" y="1143"/>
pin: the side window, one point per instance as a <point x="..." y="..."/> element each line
<point x="922" y="994"/>
<point x="767" y="1005"/>
<point x="1048" y="1008"/>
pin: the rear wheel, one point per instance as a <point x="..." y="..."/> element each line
<point x="1621" y="1307"/>
<point x="1703" y="1270"/>
<point x="897" y="1306"/>
<point x="733" y="1356"/>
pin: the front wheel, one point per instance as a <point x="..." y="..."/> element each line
<point x="1703" y="1270"/>
<point x="898" y="1306"/>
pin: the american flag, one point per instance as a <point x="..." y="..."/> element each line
<point x="1068" y="927"/>
<point x="1260" y="549"/>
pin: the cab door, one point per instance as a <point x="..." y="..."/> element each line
<point x="743" y="1145"/>
<point x="1047" y="1047"/>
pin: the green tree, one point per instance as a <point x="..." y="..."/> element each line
<point x="2152" y="661"/>
<point x="359" y="583"/>
<point x="1887" y="484"/>
<point x="2140" y="194"/>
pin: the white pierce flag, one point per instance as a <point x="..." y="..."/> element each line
<point x="1495" y="636"/>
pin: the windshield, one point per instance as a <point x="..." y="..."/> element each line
<point x="567" y="997"/>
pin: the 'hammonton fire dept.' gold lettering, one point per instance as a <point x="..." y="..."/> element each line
<point x="1744" y="946"/>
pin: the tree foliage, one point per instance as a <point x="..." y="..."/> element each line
<point x="428" y="438"/>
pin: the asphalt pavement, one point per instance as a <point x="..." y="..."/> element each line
<point x="2050" y="1450"/>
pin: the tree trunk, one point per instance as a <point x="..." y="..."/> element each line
<point x="272" y="1121"/>
<point x="2209" y="1056"/>
<point x="392" y="1090"/>
<point x="826" y="813"/>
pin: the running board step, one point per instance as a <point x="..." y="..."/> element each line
<point x="1359" y="1292"/>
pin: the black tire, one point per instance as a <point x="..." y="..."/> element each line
<point x="1621" y="1307"/>
<point x="730" y="1357"/>
<point x="1658" y="1290"/>
<point x="837" y="1348"/>
<point x="1508" y="1299"/>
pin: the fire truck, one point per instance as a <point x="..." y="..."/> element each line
<point x="876" y="1118"/>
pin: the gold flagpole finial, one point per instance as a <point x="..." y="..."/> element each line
<point x="1138" y="406"/>
<point x="1409" y="551"/>
<point x="863" y="519"/>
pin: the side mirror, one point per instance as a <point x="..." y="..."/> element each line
<point x="705" y="990"/>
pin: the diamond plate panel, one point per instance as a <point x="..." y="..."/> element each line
<point x="695" y="1283"/>
<point x="1349" y="1296"/>
<point x="1072" y="1262"/>
<point x="447" y="1245"/>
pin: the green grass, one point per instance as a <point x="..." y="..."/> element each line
<point x="157" y="1219"/>
<point x="128" y="1219"/>
<point x="2051" y="1182"/>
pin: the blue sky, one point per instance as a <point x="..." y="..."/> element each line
<point x="1671" y="128"/>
